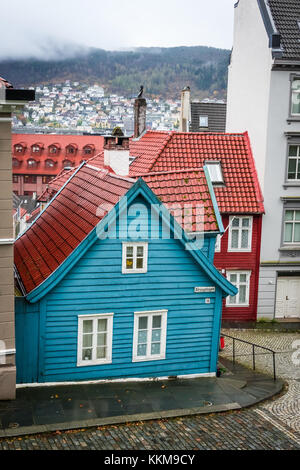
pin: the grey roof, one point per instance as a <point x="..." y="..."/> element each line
<point x="216" y="113"/>
<point x="286" y="14"/>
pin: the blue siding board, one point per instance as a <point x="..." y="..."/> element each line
<point x="95" y="284"/>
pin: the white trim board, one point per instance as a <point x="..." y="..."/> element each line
<point x="103" y="381"/>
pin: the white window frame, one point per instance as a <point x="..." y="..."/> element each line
<point x="218" y="243"/>
<point x="95" y="318"/>
<point x="297" y="158"/>
<point x="217" y="164"/>
<point x="294" y="93"/>
<point x="240" y="228"/>
<point x="238" y="273"/>
<point x="135" y="270"/>
<point x="293" y="222"/>
<point x="203" y="117"/>
<point x="163" y="338"/>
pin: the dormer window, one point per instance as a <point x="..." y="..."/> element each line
<point x="53" y="149"/>
<point x="31" y="163"/>
<point x="19" y="148"/>
<point x="36" y="149"/>
<point x="67" y="164"/>
<point x="15" y="163"/>
<point x="71" y="149"/>
<point x="215" y="172"/>
<point x="49" y="163"/>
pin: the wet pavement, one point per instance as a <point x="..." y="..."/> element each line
<point x="61" y="407"/>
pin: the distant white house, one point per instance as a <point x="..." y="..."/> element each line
<point x="264" y="99"/>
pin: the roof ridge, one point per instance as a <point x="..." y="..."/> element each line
<point x="170" y="135"/>
<point x="167" y="172"/>
<point x="259" y="195"/>
<point x="50" y="202"/>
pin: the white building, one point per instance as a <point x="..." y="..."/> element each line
<point x="264" y="99"/>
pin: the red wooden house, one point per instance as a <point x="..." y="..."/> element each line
<point x="231" y="166"/>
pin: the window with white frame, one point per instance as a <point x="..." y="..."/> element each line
<point x="294" y="162"/>
<point x="295" y="105"/>
<point x="291" y="226"/>
<point x="218" y="243"/>
<point x="135" y="258"/>
<point x="215" y="172"/>
<point x="240" y="233"/>
<point x="149" y="337"/>
<point x="241" y="280"/>
<point x="95" y="339"/>
<point x="203" y="121"/>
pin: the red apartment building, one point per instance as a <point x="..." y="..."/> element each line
<point x="232" y="170"/>
<point x="38" y="158"/>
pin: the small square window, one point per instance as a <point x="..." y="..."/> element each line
<point x="135" y="258"/>
<point x="149" y="337"/>
<point x="203" y="121"/>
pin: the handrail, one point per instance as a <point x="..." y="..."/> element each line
<point x="253" y="351"/>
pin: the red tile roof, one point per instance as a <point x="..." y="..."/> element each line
<point x="166" y="151"/>
<point x="65" y="223"/>
<point x="54" y="185"/>
<point x="186" y="189"/>
<point x="71" y="215"/>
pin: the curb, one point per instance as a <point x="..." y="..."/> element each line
<point x="39" y="429"/>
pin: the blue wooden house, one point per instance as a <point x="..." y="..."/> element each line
<point x="113" y="287"/>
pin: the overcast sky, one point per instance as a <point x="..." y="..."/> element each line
<point x="37" y="27"/>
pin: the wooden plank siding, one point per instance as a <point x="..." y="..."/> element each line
<point x="241" y="261"/>
<point x="96" y="285"/>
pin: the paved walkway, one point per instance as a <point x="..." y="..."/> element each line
<point x="269" y="425"/>
<point x="41" y="409"/>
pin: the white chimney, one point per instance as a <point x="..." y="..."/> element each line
<point x="185" y="111"/>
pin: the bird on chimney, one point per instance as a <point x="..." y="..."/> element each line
<point x="141" y="92"/>
<point x="4" y="83"/>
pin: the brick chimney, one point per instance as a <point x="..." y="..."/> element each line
<point x="10" y="99"/>
<point x="116" y="154"/>
<point x="185" y="111"/>
<point x="140" y="109"/>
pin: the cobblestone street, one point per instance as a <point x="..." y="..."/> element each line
<point x="287" y="408"/>
<point x="271" y="425"/>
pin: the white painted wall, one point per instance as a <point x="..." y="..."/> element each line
<point x="276" y="162"/>
<point x="258" y="101"/>
<point x="118" y="160"/>
<point x="249" y="80"/>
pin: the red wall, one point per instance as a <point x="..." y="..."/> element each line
<point x="248" y="261"/>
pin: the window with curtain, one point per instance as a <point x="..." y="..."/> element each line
<point x="295" y="105"/>
<point x="241" y="280"/>
<point x="240" y="234"/>
<point x="149" y="339"/>
<point x="94" y="339"/>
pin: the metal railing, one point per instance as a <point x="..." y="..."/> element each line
<point x="234" y="355"/>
